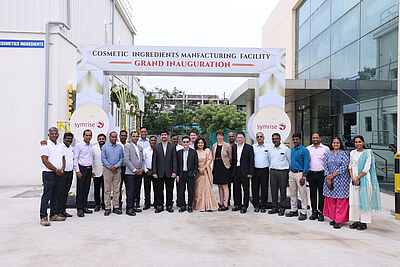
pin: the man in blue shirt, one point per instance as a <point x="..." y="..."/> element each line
<point x="299" y="167"/>
<point x="261" y="174"/>
<point x="112" y="156"/>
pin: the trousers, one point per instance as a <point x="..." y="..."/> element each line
<point x="83" y="187"/>
<point x="260" y="182"/>
<point x="66" y="181"/>
<point x="51" y="190"/>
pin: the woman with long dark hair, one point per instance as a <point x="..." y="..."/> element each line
<point x="364" y="187"/>
<point x="336" y="185"/>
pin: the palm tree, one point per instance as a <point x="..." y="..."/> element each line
<point x="120" y="94"/>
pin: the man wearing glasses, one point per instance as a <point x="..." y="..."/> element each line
<point x="279" y="162"/>
<point x="261" y="174"/>
<point x="143" y="140"/>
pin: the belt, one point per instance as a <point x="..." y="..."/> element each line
<point x="218" y="158"/>
<point x="261" y="168"/>
<point x="278" y="170"/>
<point x="316" y="171"/>
<point x="87" y="167"/>
<point x="296" y="171"/>
<point x="68" y="171"/>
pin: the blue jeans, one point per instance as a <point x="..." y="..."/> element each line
<point x="51" y="191"/>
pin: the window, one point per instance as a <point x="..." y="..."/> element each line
<point x="346" y="29"/>
<point x="368" y="124"/>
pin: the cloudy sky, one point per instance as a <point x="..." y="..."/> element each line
<point x="212" y="23"/>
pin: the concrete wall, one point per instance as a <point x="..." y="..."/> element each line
<point x="22" y="75"/>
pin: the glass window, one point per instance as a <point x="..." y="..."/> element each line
<point x="375" y="13"/>
<point x="344" y="64"/>
<point x="304" y="75"/>
<point x="320" y="20"/>
<point x="304" y="12"/>
<point x="321" y="47"/>
<point x="315" y="4"/>
<point x="346" y="29"/>
<point x="368" y="124"/>
<point x="340" y="7"/>
<point x="303" y="59"/>
<point x="368" y="52"/>
<point x="321" y="70"/>
<point x="304" y="34"/>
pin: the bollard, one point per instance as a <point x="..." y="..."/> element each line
<point x="397" y="186"/>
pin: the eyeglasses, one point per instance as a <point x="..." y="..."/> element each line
<point x="275" y="138"/>
<point x="259" y="137"/>
<point x="185" y="142"/>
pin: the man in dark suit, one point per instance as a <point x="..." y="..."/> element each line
<point x="242" y="172"/>
<point x="165" y="168"/>
<point x="188" y="164"/>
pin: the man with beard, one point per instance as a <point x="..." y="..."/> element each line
<point x="98" y="177"/>
<point x="66" y="178"/>
<point x="148" y="177"/>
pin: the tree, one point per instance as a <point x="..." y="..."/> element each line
<point x="212" y="117"/>
<point x="121" y="95"/>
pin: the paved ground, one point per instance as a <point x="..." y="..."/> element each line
<point x="198" y="239"/>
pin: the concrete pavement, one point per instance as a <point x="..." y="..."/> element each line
<point x="198" y="239"/>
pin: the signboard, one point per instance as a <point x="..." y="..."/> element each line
<point x="271" y="120"/>
<point x="89" y="117"/>
<point x="22" y="43"/>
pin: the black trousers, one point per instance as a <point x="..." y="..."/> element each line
<point x="66" y="181"/>
<point x="241" y="181"/>
<point x="159" y="189"/>
<point x="51" y="190"/>
<point x="177" y="195"/>
<point x="316" y="182"/>
<point x="184" y="181"/>
<point x="99" y="185"/>
<point x="123" y="181"/>
<point x="260" y="181"/>
<point x="83" y="187"/>
<point x="138" y="187"/>
<point x="279" y="181"/>
<point x="148" y="180"/>
<point x="130" y="186"/>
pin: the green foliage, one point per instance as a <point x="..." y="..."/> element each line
<point x="123" y="97"/>
<point x="212" y="117"/>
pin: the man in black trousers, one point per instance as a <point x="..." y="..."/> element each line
<point x="188" y="164"/>
<point x="242" y="172"/>
<point x="165" y="168"/>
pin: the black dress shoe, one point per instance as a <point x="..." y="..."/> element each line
<point x="281" y="212"/>
<point x="182" y="209"/>
<point x="87" y="211"/>
<point x="170" y="209"/>
<point x="219" y="205"/>
<point x="354" y="225"/>
<point x="66" y="214"/>
<point x="190" y="209"/>
<point x="243" y="210"/>
<point x="302" y="217"/>
<point x="137" y="210"/>
<point x="223" y="208"/>
<point x="117" y="211"/>
<point x="80" y="213"/>
<point x="361" y="226"/>
<point x="257" y="209"/>
<point x="292" y="214"/>
<point x="107" y="212"/>
<point x="236" y="208"/>
<point x="273" y="211"/>
<point x="146" y="207"/>
<point x="263" y="210"/>
<point x="321" y="217"/>
<point x="314" y="216"/>
<point x="332" y="223"/>
<point x="130" y="212"/>
<point x="158" y="210"/>
<point x="97" y="208"/>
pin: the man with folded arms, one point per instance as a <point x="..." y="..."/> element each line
<point x="148" y="177"/>
<point x="53" y="160"/>
<point x="112" y="156"/>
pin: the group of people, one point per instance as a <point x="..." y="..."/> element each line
<point x="342" y="187"/>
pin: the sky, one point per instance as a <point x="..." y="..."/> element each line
<point x="208" y="23"/>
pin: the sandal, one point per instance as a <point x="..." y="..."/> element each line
<point x="354" y="225"/>
<point x="362" y="226"/>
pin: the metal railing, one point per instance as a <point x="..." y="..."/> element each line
<point x="385" y="170"/>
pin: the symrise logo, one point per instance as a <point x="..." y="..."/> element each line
<point x="271" y="126"/>
<point x="100" y="124"/>
<point x="282" y="126"/>
<point x="84" y="124"/>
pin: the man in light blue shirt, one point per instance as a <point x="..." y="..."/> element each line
<point x="261" y="174"/>
<point x="112" y="156"/>
<point x="143" y="140"/>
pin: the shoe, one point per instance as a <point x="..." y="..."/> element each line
<point x="263" y="210"/>
<point x="87" y="211"/>
<point x="223" y="208"/>
<point x="107" y="212"/>
<point x="354" y="225"/>
<point x="137" y="205"/>
<point x="292" y="214"/>
<point x="117" y="211"/>
<point x="80" y="213"/>
<point x="130" y="212"/>
<point x="362" y="226"/>
<point x="281" y="212"/>
<point x="182" y="209"/>
<point x="170" y="209"/>
<point x="219" y="205"/>
<point x="190" y="209"/>
<point x="314" y="216"/>
<point x="243" y="210"/>
<point x="61" y="215"/>
<point x="44" y="221"/>
<point x="257" y="209"/>
<point x="146" y="207"/>
<point x="159" y="209"/>
<point x="66" y="214"/>
<point x="302" y="217"/>
<point x="97" y="208"/>
<point x="236" y="208"/>
<point x="337" y="225"/>
<point x="321" y="217"/>
<point x="273" y="211"/>
<point x="56" y="218"/>
<point x="332" y="223"/>
<point x="137" y="210"/>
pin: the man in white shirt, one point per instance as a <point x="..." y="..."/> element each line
<point x="123" y="136"/>
<point x="98" y="178"/>
<point x="279" y="163"/>
<point x="66" y="178"/>
<point x="175" y="141"/>
<point x="148" y="177"/>
<point x="143" y="140"/>
<point x="53" y="161"/>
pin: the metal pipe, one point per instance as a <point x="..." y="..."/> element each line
<point x="69" y="13"/>
<point x="113" y="12"/>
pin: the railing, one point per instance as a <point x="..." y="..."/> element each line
<point x="380" y="137"/>
<point x="389" y="14"/>
<point x="385" y="171"/>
